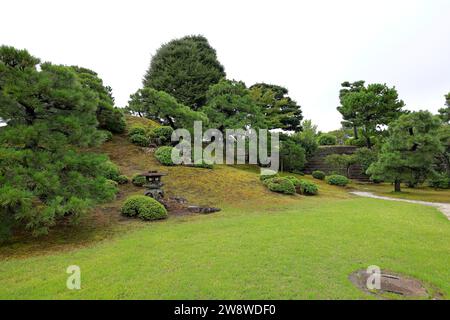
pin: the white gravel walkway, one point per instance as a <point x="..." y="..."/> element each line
<point x="443" y="207"/>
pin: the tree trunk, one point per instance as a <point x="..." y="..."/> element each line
<point x="368" y="142"/>
<point x="355" y="132"/>
<point x="397" y="186"/>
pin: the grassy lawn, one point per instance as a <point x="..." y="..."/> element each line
<point x="298" y="253"/>
<point x="262" y="245"/>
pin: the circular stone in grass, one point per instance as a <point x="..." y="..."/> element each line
<point x="394" y="286"/>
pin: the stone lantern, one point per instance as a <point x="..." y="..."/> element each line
<point x="153" y="184"/>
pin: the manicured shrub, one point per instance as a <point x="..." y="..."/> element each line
<point x="110" y="171"/>
<point x="326" y="139"/>
<point x="137" y="129"/>
<point x="161" y="135"/>
<point x="308" y="188"/>
<point x="281" y="185"/>
<point x="164" y="155"/>
<point x="106" y="135"/>
<point x="139" y="139"/>
<point x="264" y="177"/>
<point x="138" y="180"/>
<point x="143" y="207"/>
<point x="318" y="174"/>
<point x="122" y="179"/>
<point x="294" y="180"/>
<point x="337" y="180"/>
<point x="441" y="181"/>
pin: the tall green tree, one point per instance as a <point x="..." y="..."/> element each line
<point x="370" y="108"/>
<point x="50" y="115"/>
<point x="230" y="106"/>
<point x="163" y="108"/>
<point x="185" y="68"/>
<point x="307" y="138"/>
<point x="280" y="110"/>
<point x="410" y="150"/>
<point x="444" y="113"/>
<point x="109" y="117"/>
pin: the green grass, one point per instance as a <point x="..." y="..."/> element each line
<point x="304" y="253"/>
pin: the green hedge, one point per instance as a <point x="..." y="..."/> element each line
<point x="337" y="180"/>
<point x="281" y="185"/>
<point x="308" y="188"/>
<point x="161" y="135"/>
<point x="144" y="207"/>
<point x="318" y="174"/>
<point x="164" y="155"/>
<point x="139" y="139"/>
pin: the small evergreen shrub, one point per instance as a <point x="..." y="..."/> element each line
<point x="106" y="135"/>
<point x="294" y="180"/>
<point x="122" y="179"/>
<point x="308" y="188"/>
<point x="326" y="139"/>
<point x="139" y="139"/>
<point x="264" y="177"/>
<point x="110" y="171"/>
<point x="337" y="180"/>
<point x="138" y="180"/>
<point x="164" y="155"/>
<point x="137" y="129"/>
<point x="143" y="207"/>
<point x="161" y="135"/>
<point x="318" y="174"/>
<point x="281" y="185"/>
<point x="441" y="181"/>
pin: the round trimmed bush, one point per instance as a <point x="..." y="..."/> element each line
<point x="138" y="180"/>
<point x="139" y="139"/>
<point x="122" y="179"/>
<point x="144" y="207"/>
<point x="110" y="171"/>
<point x="164" y="155"/>
<point x="137" y="129"/>
<point x="326" y="139"/>
<point x="318" y="174"/>
<point x="106" y="135"/>
<point x="294" y="180"/>
<point x="281" y="185"/>
<point x="161" y="135"/>
<point x="337" y="180"/>
<point x="308" y="188"/>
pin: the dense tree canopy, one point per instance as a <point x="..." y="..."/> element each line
<point x="43" y="174"/>
<point x="369" y="108"/>
<point x="185" y="68"/>
<point x="410" y="150"/>
<point x="162" y="107"/>
<point x="444" y="113"/>
<point x="230" y="106"/>
<point x="280" y="110"/>
<point x="108" y="117"/>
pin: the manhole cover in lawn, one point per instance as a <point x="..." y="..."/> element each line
<point x="391" y="285"/>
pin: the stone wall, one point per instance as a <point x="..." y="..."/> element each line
<point x="317" y="161"/>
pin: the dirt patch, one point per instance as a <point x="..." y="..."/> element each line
<point x="393" y="286"/>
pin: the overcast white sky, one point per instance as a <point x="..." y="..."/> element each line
<point x="310" y="47"/>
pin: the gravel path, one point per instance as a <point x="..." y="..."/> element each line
<point x="443" y="207"/>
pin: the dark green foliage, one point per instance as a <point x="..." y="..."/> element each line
<point x="341" y="163"/>
<point x="163" y="108"/>
<point x="368" y="108"/>
<point x="264" y="177"/>
<point x="281" y="185"/>
<point x="308" y="188"/>
<point x="140" y="140"/>
<point x="317" y="174"/>
<point x="144" y="207"/>
<point x="230" y="106"/>
<point x="444" y="113"/>
<point x="292" y="156"/>
<point x="108" y="117"/>
<point x="122" y="179"/>
<point x="110" y="171"/>
<point x="337" y="180"/>
<point x="307" y="138"/>
<point x="44" y="177"/>
<point x="409" y="151"/>
<point x="280" y="110"/>
<point x="138" y="180"/>
<point x="185" y="68"/>
<point x="137" y="129"/>
<point x="161" y="135"/>
<point x="203" y="165"/>
<point x="365" y="157"/>
<point x="326" y="139"/>
<point x="440" y="181"/>
<point x="107" y="135"/>
<point x="164" y="155"/>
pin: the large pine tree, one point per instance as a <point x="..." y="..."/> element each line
<point x="50" y="116"/>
